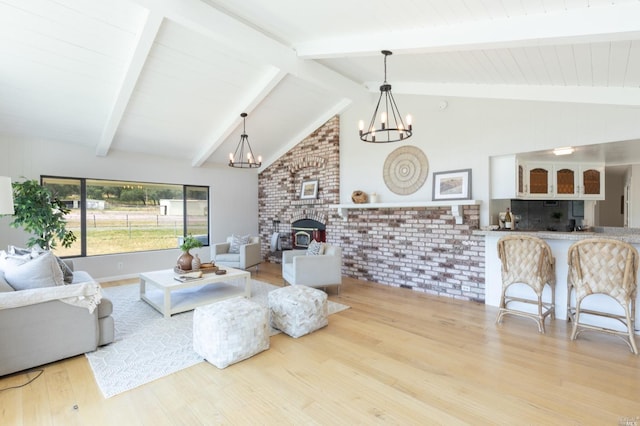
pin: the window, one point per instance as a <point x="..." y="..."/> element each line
<point x="110" y="216"/>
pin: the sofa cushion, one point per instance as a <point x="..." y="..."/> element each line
<point x="237" y="241"/>
<point x="228" y="257"/>
<point x="43" y="271"/>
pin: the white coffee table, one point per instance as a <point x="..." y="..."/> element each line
<point x="170" y="297"/>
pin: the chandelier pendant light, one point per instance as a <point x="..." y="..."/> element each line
<point x="391" y="127"/>
<point x="243" y="149"/>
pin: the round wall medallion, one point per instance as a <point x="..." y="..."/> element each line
<point x="406" y="170"/>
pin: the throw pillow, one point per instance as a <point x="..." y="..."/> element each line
<point x="315" y="248"/>
<point x="43" y="271"/>
<point x="18" y="250"/>
<point x="237" y="241"/>
<point x="7" y="259"/>
<point x="67" y="273"/>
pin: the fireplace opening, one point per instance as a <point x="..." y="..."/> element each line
<point x="303" y="231"/>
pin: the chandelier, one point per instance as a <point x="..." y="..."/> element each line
<point x="391" y="127"/>
<point x="236" y="159"/>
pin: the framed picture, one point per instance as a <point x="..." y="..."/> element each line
<point x="452" y="185"/>
<point x="309" y="189"/>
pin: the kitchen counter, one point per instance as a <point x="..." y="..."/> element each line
<point x="622" y="234"/>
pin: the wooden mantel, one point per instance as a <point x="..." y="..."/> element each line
<point x="456" y="211"/>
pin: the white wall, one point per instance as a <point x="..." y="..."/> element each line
<point x="468" y="132"/>
<point x="233" y="192"/>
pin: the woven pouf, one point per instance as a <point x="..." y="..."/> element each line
<point x="230" y="331"/>
<point x="298" y="310"/>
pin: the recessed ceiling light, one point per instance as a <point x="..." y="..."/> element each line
<point x="564" y="151"/>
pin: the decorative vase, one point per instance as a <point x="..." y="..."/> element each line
<point x="185" y="260"/>
<point x="196" y="263"/>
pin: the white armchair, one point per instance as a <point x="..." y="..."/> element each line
<point x="313" y="271"/>
<point x="247" y="257"/>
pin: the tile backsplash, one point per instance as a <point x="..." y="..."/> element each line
<point x="552" y="215"/>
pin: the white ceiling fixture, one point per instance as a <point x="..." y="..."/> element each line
<point x="564" y="150"/>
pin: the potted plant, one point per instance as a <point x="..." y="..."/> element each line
<point x="185" y="260"/>
<point x="37" y="211"/>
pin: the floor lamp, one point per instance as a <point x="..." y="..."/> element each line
<point x="6" y="196"/>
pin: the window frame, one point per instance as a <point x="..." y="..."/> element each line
<point x="82" y="238"/>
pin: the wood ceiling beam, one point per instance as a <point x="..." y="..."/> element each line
<point x="229" y="123"/>
<point x="144" y="43"/>
<point x="240" y="39"/>
<point x="585" y="25"/>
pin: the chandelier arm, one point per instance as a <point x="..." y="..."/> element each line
<point x="397" y="117"/>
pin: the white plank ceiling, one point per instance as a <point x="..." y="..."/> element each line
<point x="172" y="76"/>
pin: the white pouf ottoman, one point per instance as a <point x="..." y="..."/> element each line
<point x="298" y="310"/>
<point x="230" y="331"/>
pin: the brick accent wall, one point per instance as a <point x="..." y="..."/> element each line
<point x="316" y="157"/>
<point x="421" y="248"/>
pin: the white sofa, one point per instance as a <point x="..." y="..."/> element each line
<point x="247" y="257"/>
<point x="40" y="332"/>
<point x="322" y="270"/>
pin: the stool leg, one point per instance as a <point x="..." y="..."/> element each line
<point x="632" y="337"/>
<point x="576" y="319"/>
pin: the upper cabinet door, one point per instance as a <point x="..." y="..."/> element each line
<point x="565" y="181"/>
<point x="522" y="189"/>
<point x="592" y="182"/>
<point x="540" y="183"/>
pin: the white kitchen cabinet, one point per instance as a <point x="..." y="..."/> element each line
<point x="546" y="180"/>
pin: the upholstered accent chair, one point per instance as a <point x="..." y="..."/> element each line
<point x="319" y="271"/>
<point x="235" y="255"/>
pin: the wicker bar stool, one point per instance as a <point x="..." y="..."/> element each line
<point x="603" y="266"/>
<point x="527" y="260"/>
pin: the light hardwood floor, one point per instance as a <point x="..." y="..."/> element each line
<point x="395" y="357"/>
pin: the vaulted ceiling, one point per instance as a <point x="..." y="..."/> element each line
<point x="171" y="77"/>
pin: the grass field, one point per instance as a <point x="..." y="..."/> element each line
<point x="111" y="231"/>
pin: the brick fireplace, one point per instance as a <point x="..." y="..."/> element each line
<point x="420" y="248"/>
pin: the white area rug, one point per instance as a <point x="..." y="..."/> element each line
<point x="148" y="346"/>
